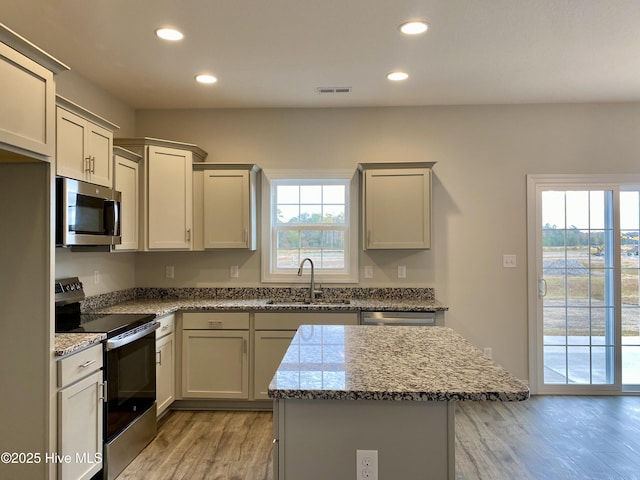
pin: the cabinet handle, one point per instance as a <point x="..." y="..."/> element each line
<point x="93" y="164"/>
<point x="165" y="327"/>
<point x="188" y="234"/>
<point x="245" y="237"/>
<point x="103" y="387"/>
<point x="87" y="363"/>
<point x="159" y="357"/>
<point x="368" y="238"/>
<point x="244" y="345"/>
<point x="87" y="164"/>
<point x="214" y="324"/>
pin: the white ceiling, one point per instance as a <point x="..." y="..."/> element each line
<point x="275" y="53"/>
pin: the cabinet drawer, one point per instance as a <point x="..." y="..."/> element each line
<point x="167" y="326"/>
<point x="291" y="321"/>
<point x="215" y="321"/>
<point x="79" y="365"/>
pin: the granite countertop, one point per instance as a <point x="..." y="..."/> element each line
<point x="335" y="362"/>
<point x="67" y="343"/>
<point x="165" y="306"/>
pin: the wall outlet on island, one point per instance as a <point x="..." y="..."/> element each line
<point x="366" y="464"/>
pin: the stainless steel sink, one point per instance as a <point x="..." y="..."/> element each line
<point x="344" y="301"/>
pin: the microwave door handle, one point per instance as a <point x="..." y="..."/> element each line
<point x="111" y="217"/>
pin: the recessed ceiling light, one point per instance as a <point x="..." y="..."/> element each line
<point x="205" y="78"/>
<point x="414" y="27"/>
<point x="170" y="34"/>
<point x="397" y="76"/>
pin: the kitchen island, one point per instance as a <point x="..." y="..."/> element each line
<point x="388" y="389"/>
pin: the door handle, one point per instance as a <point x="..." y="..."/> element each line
<point x="542" y="287"/>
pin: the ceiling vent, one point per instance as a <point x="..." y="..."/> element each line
<point x="331" y="90"/>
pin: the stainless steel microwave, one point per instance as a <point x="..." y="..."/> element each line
<point x="86" y="214"/>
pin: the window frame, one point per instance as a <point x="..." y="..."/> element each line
<point x="269" y="273"/>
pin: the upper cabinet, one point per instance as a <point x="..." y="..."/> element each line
<point x="127" y="182"/>
<point x="84" y="144"/>
<point x="27" y="97"/>
<point x="396" y="200"/>
<point x="225" y="205"/>
<point x="166" y="197"/>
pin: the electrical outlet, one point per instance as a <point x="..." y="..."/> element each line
<point x="509" y="261"/>
<point x="368" y="271"/>
<point x="402" y="271"/>
<point x="169" y="271"/>
<point x="96" y="277"/>
<point x="233" y="271"/>
<point x="488" y="352"/>
<point x="366" y="465"/>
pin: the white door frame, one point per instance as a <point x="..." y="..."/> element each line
<point x="534" y="262"/>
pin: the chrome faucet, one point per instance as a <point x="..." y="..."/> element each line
<point x="312" y="287"/>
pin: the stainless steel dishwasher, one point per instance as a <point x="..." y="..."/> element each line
<point x="424" y="319"/>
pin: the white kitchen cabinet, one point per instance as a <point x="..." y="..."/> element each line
<point x="215" y="355"/>
<point x="273" y="334"/>
<point x="225" y="207"/>
<point x="80" y="414"/>
<point x="269" y="349"/>
<point x="165" y="363"/>
<point x="396" y="205"/>
<point x="27" y="97"/>
<point x="166" y="199"/>
<point x="84" y="148"/>
<point x="127" y="182"/>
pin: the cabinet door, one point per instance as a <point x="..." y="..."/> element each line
<point x="226" y="209"/>
<point x="70" y="148"/>
<point x="169" y="199"/>
<point x="126" y="182"/>
<point x="99" y="144"/>
<point x="215" y="364"/>
<point x="165" y="378"/>
<point x="27" y="99"/>
<point x="269" y="349"/>
<point x="397" y="208"/>
<point x="80" y="420"/>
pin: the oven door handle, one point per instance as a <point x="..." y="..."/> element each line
<point x="114" y="343"/>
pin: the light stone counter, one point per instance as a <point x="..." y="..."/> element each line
<point x="68" y="343"/>
<point x="390" y="390"/>
<point x="335" y="362"/>
<point x="162" y="307"/>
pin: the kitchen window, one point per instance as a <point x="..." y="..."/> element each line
<point x="310" y="216"/>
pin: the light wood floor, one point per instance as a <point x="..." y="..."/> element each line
<point x="542" y="438"/>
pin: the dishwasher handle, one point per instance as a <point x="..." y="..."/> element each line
<point x="398" y="318"/>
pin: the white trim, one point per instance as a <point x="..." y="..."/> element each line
<point x="352" y="270"/>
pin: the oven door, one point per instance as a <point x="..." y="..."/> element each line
<point x="131" y="383"/>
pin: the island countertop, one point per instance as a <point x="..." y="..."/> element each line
<point x="335" y="362"/>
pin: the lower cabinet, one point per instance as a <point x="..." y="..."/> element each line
<point x="215" y="355"/>
<point x="80" y="414"/>
<point x="165" y="363"/>
<point x="273" y="334"/>
<point x="269" y="349"/>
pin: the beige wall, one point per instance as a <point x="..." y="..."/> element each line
<point x="479" y="198"/>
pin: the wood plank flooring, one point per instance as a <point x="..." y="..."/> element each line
<point x="547" y="437"/>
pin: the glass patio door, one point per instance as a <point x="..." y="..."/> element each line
<point x="584" y="277"/>
<point x="578" y="277"/>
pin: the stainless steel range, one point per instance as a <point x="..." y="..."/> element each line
<point x="129" y="371"/>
